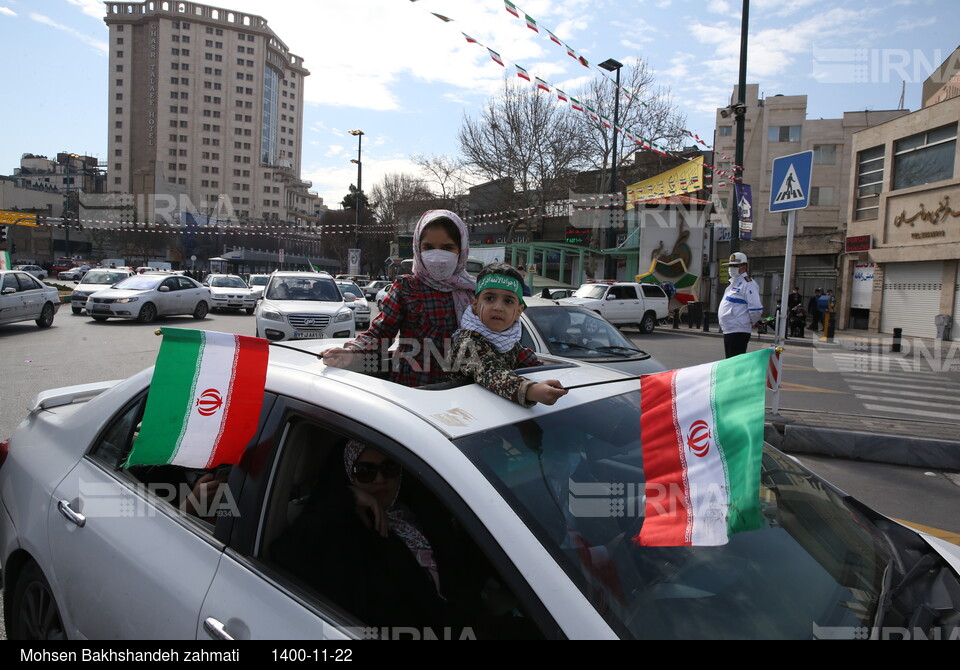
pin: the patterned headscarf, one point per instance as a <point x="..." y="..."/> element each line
<point x="400" y="519"/>
<point x="461" y="284"/>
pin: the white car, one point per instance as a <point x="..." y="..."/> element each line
<point x="256" y="284"/>
<point x="74" y="274"/>
<point x="529" y="514"/>
<point x="354" y="299"/>
<point x="623" y="303"/>
<point x="230" y="292"/>
<point x="95" y="280"/>
<point x="303" y="305"/>
<point x="23" y="297"/>
<point x="145" y="297"/>
<point x="34" y="270"/>
<point x="371" y="289"/>
<point x="382" y="295"/>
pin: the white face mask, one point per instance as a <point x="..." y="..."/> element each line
<point x="734" y="273"/>
<point x="440" y="264"/>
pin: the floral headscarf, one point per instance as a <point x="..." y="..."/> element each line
<point x="461" y="284"/>
<point x="400" y="519"/>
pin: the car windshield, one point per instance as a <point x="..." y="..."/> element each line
<point x="227" y="282"/>
<point x="302" y="288"/>
<point x="259" y="281"/>
<point x="576" y="478"/>
<point x="575" y="332"/>
<point x="590" y="291"/>
<point x="139" y="283"/>
<point x="96" y="277"/>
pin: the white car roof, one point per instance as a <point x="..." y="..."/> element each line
<point x="456" y="412"/>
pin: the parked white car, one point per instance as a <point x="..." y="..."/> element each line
<point x="230" y="292"/>
<point x="93" y="281"/>
<point x="147" y="296"/>
<point x="34" y="270"/>
<point x="303" y="305"/>
<point x="624" y="303"/>
<point x="354" y="299"/>
<point x="530" y="515"/>
<point x="23" y="297"/>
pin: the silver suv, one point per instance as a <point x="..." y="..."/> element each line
<point x="303" y="305"/>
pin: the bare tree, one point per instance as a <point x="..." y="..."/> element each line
<point x="446" y="174"/>
<point x="646" y="111"/>
<point x="400" y="198"/>
<point x="528" y="143"/>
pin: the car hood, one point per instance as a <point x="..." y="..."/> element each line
<point x="122" y="293"/>
<point x="91" y="288"/>
<point x="226" y="290"/>
<point x="302" y="306"/>
<point x="583" y="302"/>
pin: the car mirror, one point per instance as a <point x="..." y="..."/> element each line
<point x="164" y="289"/>
<point x="8" y="291"/>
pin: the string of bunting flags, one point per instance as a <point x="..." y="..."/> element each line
<point x="576" y="104"/>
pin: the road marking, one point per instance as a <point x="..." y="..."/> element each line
<point x="803" y="388"/>
<point x="923" y="403"/>
<point x="898" y="393"/>
<point x="952" y="416"/>
<point x="931" y="387"/>
<point x="953" y="538"/>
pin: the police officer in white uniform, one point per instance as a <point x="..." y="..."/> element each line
<point x="740" y="308"/>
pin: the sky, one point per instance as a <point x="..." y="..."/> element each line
<point x="407" y="79"/>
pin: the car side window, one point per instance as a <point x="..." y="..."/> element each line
<point x="28" y="282"/>
<point x="10" y="281"/>
<point x="201" y="494"/>
<point x="423" y="570"/>
<point x="171" y="283"/>
<point x="650" y="291"/>
<point x="185" y="283"/>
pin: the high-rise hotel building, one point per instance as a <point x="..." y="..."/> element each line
<point x="206" y="110"/>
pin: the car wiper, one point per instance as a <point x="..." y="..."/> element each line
<point x="570" y="344"/>
<point x="614" y="349"/>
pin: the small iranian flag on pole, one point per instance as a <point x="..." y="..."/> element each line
<point x="522" y="73"/>
<point x="701" y="429"/>
<point x="204" y="402"/>
<point x="495" y="56"/>
<point x="531" y="24"/>
<point x="512" y="8"/>
<point x="542" y="85"/>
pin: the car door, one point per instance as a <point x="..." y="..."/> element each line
<point x="258" y="592"/>
<point x="171" y="300"/>
<point x="31" y="295"/>
<point x="11" y="302"/>
<point x="191" y="294"/>
<point x="129" y="564"/>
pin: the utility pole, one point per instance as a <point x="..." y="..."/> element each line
<point x="740" y="116"/>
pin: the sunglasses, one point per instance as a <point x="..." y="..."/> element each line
<point x="367" y="472"/>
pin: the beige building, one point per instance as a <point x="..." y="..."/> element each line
<point x="904" y="205"/>
<point x="206" y="114"/>
<point x="778" y="126"/>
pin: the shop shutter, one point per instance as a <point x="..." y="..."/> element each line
<point x="911" y="298"/>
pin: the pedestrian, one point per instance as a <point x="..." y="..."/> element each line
<point x="740" y="309"/>
<point x="794" y="298"/>
<point x="827" y="304"/>
<point x="814" y="308"/>
<point x="487" y="347"/>
<point x="523" y="282"/>
<point x="424" y="308"/>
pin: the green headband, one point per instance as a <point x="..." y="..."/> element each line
<point x="502" y="282"/>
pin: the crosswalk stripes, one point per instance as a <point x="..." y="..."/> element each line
<point x="889" y="387"/>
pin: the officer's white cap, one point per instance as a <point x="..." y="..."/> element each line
<point x="736" y="258"/>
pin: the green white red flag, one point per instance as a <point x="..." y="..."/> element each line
<point x="496" y="57"/>
<point x="531" y="24"/>
<point x="701" y="429"/>
<point x="522" y="73"/>
<point x="512" y="8"/>
<point x="204" y="402"/>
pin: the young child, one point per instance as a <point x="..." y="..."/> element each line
<point x="487" y="347"/>
<point x="423" y="308"/>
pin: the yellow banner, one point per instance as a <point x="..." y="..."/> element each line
<point x="8" y="218"/>
<point x="686" y="178"/>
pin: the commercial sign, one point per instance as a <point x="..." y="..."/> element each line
<point x="857" y="243"/>
<point x="578" y="236"/>
<point x="8" y="218"/>
<point x="861" y="290"/>
<point x="686" y="178"/>
<point x="744" y="197"/>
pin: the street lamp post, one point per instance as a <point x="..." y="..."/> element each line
<point x="358" y="203"/>
<point x="612" y="65"/>
<point x="740" y="109"/>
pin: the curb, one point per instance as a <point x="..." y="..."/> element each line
<point x="918" y="452"/>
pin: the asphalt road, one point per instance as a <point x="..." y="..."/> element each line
<point x="78" y="350"/>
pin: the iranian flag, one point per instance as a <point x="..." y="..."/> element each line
<point x="701" y="429"/>
<point x="204" y="402"/>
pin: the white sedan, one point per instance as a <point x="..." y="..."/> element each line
<point x="23" y="297"/>
<point x="230" y="292"/>
<point x="147" y="296"/>
<point x="509" y="523"/>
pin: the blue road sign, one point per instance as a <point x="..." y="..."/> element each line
<point x="790" y="183"/>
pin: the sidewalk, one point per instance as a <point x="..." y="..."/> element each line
<point x="915" y="443"/>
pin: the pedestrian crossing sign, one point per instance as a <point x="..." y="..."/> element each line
<point x="790" y="182"/>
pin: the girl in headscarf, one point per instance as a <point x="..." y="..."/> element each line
<point x="424" y="308"/>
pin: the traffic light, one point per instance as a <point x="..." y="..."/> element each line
<point x="3" y="234"/>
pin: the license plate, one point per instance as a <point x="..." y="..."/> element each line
<point x="101" y="308"/>
<point x="235" y="304"/>
<point x="299" y="335"/>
